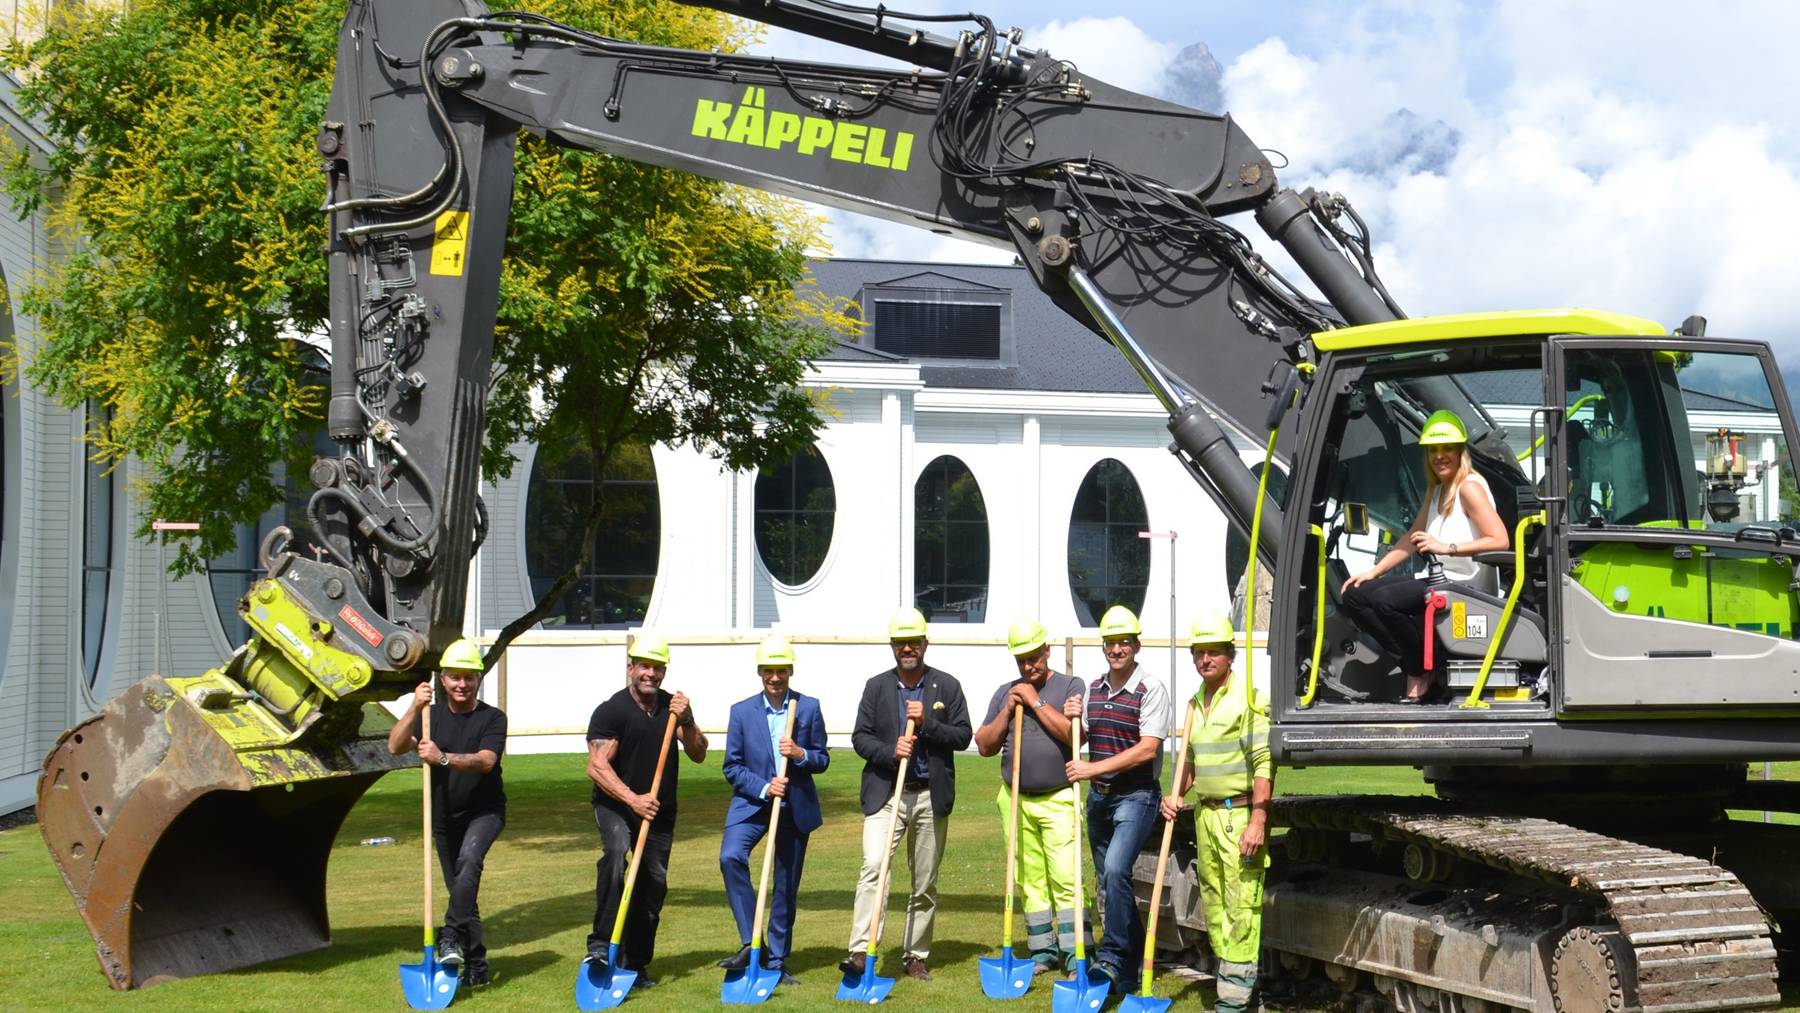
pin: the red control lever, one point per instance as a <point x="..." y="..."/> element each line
<point x="1434" y="602"/>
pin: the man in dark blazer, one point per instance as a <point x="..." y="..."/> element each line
<point x="926" y="764"/>
<point x="754" y="738"/>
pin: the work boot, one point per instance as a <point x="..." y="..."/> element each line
<point x="915" y="968"/>
<point x="449" y="950"/>
<point x="737" y="961"/>
<point x="854" y="964"/>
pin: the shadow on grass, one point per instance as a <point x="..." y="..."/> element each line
<point x="518" y="924"/>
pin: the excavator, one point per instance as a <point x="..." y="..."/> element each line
<point x="1613" y="674"/>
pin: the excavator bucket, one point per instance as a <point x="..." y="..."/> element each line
<point x="192" y="844"/>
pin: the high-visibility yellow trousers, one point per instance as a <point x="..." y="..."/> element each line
<point x="1047" y="852"/>
<point x="1232" y="890"/>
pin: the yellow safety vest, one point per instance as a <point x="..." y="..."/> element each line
<point x="1230" y="748"/>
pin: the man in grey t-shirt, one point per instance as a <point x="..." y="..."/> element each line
<point x="1047" y="847"/>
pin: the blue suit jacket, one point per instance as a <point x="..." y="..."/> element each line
<point x="750" y="762"/>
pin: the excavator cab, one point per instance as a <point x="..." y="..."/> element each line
<point x="1645" y="486"/>
<point x="1366" y="485"/>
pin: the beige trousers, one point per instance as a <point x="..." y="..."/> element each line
<point x="924" y="836"/>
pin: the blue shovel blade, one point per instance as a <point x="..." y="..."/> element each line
<point x="1139" y="1003"/>
<point x="1006" y="976"/>
<point x="1080" y="994"/>
<point x="866" y="987"/>
<point x="428" y="984"/>
<point x="601" y="984"/>
<point x="754" y="984"/>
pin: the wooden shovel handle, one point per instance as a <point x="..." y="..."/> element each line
<point x="1162" y="855"/>
<point x="768" y="865"/>
<point x="643" y="834"/>
<point x="887" y="857"/>
<point x="425" y="781"/>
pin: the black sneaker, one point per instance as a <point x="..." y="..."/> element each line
<point x="449" y="951"/>
<point x="645" y="981"/>
<point x="476" y="976"/>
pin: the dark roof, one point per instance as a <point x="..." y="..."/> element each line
<point x="1050" y="350"/>
<point x="852" y="352"/>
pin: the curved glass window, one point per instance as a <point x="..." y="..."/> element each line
<point x="231" y="574"/>
<point x="618" y="577"/>
<point x="96" y="551"/>
<point x="796" y="506"/>
<point x="950" y="544"/>
<point x="1108" y="563"/>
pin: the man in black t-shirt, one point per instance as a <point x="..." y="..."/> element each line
<point x="624" y="740"/>
<point x="468" y="798"/>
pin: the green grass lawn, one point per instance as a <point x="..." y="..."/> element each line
<point x="537" y="901"/>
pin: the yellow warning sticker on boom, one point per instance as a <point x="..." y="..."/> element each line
<point x="450" y="243"/>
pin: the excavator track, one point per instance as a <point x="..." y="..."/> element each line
<point x="1678" y="933"/>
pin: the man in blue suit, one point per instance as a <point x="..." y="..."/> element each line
<point x="756" y="735"/>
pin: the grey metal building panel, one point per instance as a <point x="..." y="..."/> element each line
<point x="505" y="592"/>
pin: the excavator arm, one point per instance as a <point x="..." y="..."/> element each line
<point x="193" y="817"/>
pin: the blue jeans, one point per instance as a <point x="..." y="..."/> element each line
<point x="1118" y="825"/>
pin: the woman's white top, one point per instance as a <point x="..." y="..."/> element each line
<point x="1456" y="527"/>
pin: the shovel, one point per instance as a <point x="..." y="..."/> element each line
<point x="754" y="983"/>
<point x="428" y="984"/>
<point x="605" y="985"/>
<point x="868" y="986"/>
<point x="1079" y="994"/>
<point x="1006" y="976"/>
<point x="1145" y="1001"/>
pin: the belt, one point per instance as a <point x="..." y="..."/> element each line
<point x="1107" y="788"/>
<point x="1226" y="803"/>
<point x="912" y="785"/>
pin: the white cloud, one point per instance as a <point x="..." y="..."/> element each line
<point x="1588" y="176"/>
<point x="1113" y="49"/>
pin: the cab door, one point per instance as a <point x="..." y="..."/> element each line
<point x="1677" y="526"/>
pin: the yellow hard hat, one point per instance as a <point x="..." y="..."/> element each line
<point x="1026" y="636"/>
<point x="1119" y="621"/>
<point x="1443" y="427"/>
<point x="1212" y="628"/>
<point x="464" y="654"/>
<point x="907" y="624"/>
<point x="774" y="652"/>
<point x="649" y="646"/>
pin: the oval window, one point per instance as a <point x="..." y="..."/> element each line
<point x="796" y="506"/>
<point x="617" y="578"/>
<point x="950" y="544"/>
<point x="1108" y="563"/>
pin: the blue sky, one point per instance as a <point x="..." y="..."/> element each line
<point x="1642" y="157"/>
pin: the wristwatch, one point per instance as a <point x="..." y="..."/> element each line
<point x="1452" y="548"/>
<point x="1035" y="706"/>
<point x="443" y="759"/>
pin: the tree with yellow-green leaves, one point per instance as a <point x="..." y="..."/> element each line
<point x="185" y="180"/>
